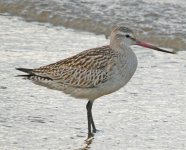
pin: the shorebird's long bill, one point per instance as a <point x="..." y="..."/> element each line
<point x="147" y="45"/>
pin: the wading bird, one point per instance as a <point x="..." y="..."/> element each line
<point x="92" y="73"/>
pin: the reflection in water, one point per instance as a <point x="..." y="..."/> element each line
<point x="87" y="144"/>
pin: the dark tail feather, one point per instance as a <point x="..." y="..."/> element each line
<point x="24" y="76"/>
<point x="31" y="74"/>
<point x="29" y="71"/>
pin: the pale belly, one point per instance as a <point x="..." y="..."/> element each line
<point x="122" y="74"/>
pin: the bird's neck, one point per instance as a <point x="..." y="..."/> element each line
<point x="119" y="47"/>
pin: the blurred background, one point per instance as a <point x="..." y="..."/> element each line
<point x="148" y="113"/>
<point x="159" y="21"/>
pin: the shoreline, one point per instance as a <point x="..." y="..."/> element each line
<point x="147" y="113"/>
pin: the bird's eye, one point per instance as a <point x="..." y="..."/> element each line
<point x="127" y="35"/>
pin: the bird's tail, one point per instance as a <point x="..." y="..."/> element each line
<point x="26" y="70"/>
<point x="31" y="75"/>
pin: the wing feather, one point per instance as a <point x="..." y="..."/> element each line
<point x="87" y="69"/>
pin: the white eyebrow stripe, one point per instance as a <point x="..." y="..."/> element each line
<point x="124" y="33"/>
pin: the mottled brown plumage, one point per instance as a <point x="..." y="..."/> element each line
<point x="92" y="73"/>
<point x="86" y="69"/>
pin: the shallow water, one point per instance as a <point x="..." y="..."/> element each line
<point x="159" y="21"/>
<point x="148" y="113"/>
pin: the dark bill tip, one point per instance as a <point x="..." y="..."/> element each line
<point x="147" y="45"/>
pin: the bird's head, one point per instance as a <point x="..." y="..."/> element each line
<point x="124" y="37"/>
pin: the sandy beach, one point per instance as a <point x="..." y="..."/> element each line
<point x="148" y="113"/>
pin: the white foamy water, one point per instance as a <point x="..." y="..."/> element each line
<point x="148" y="113"/>
<point x="161" y="21"/>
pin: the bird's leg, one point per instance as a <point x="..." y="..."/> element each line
<point x="90" y="119"/>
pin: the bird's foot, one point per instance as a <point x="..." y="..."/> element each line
<point x="89" y="139"/>
<point x="90" y="135"/>
<point x="88" y="142"/>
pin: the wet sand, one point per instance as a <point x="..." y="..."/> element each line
<point x="148" y="113"/>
